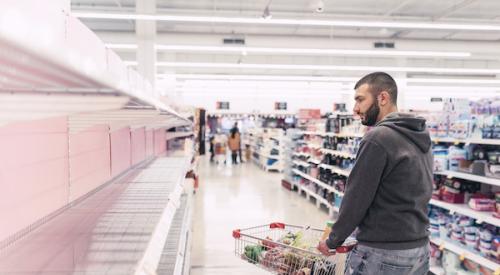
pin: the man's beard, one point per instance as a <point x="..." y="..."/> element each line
<point x="371" y="115"/>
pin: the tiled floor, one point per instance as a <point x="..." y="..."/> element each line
<point x="239" y="197"/>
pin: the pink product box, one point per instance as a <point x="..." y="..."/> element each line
<point x="479" y="204"/>
<point x="314" y="172"/>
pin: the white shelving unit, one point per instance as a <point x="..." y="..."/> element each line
<point x="471" y="177"/>
<point x="319" y="200"/>
<point x="437" y="270"/>
<point x="474" y="256"/>
<point x="172" y="135"/>
<point x="301" y="163"/>
<point x="468" y="141"/>
<point x="336" y="170"/>
<point x="261" y="145"/>
<point x="338" y="153"/>
<point x="318" y="182"/>
<point x="463" y="209"/>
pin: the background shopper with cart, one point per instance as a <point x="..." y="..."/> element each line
<point x="388" y="189"/>
<point x="220" y="144"/>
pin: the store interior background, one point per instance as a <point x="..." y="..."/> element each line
<point x="89" y="88"/>
<point x="189" y="54"/>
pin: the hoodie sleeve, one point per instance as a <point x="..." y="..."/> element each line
<point x="362" y="185"/>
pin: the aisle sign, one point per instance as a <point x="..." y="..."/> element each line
<point x="222" y="105"/>
<point x="280" y="106"/>
<point x="309" y="114"/>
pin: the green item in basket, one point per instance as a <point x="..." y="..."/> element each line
<point x="252" y="252"/>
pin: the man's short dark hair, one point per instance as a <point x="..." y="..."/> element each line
<point x="378" y="82"/>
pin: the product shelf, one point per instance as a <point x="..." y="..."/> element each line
<point x="318" y="182"/>
<point x="471" y="177"/>
<point x="336" y="169"/>
<point x="138" y="208"/>
<point x="314" y="161"/>
<point x="338" y="153"/>
<point x="318" y="198"/>
<point x="314" y="146"/>
<point x="301" y="163"/>
<point x="468" y="141"/>
<point x="175" y="254"/>
<point x="301" y="154"/>
<point x="464" y="209"/>
<point x="473" y="256"/>
<point x="437" y="270"/>
<point x="170" y="136"/>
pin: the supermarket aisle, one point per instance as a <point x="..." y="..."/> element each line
<point x="240" y="197"/>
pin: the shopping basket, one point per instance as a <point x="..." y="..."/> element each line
<point x="289" y="250"/>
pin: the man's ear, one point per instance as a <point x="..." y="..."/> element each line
<point x="384" y="97"/>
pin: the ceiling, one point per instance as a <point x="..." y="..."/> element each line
<point x="461" y="30"/>
<point x="456" y="11"/>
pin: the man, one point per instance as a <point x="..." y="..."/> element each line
<point x="388" y="189"/>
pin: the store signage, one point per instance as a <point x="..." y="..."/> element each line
<point x="309" y="114"/>
<point x="436" y="99"/>
<point x="339" y="107"/>
<point x="222" y="105"/>
<point x="280" y="106"/>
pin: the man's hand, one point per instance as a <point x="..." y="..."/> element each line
<point x="324" y="249"/>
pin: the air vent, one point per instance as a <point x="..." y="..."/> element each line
<point x="384" y="45"/>
<point x="234" y="41"/>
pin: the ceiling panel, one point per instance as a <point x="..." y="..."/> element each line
<point x="486" y="9"/>
<point x="425" y="34"/>
<point x="476" y="36"/>
<point x="428" y="8"/>
<point x="109" y="25"/>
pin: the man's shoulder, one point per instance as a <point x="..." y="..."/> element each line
<point x="379" y="135"/>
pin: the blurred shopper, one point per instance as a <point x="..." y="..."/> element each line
<point x="235" y="128"/>
<point x="388" y="189"/>
<point x="212" y="150"/>
<point x="234" y="144"/>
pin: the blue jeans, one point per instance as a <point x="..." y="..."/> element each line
<point x="365" y="260"/>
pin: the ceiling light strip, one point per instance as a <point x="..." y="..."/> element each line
<point x="304" y="22"/>
<point x="319" y="78"/>
<point x="310" y="51"/>
<point x="328" y="67"/>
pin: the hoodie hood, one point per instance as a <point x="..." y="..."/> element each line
<point x="411" y="127"/>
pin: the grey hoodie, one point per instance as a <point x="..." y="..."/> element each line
<point x="389" y="187"/>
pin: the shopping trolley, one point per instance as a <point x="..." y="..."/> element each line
<point x="289" y="250"/>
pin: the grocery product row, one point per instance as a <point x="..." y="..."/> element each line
<point x="465" y="187"/>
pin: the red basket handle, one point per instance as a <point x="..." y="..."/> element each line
<point x="277" y="225"/>
<point x="347" y="247"/>
<point x="237" y="233"/>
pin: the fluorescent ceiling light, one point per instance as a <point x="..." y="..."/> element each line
<point x="131" y="63"/>
<point x="303" y="22"/>
<point x="321" y="78"/>
<point x="453" y="81"/>
<point x="119" y="46"/>
<point x="328" y="67"/>
<point x="310" y="51"/>
<point x="247" y="50"/>
<point x="260" y="77"/>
